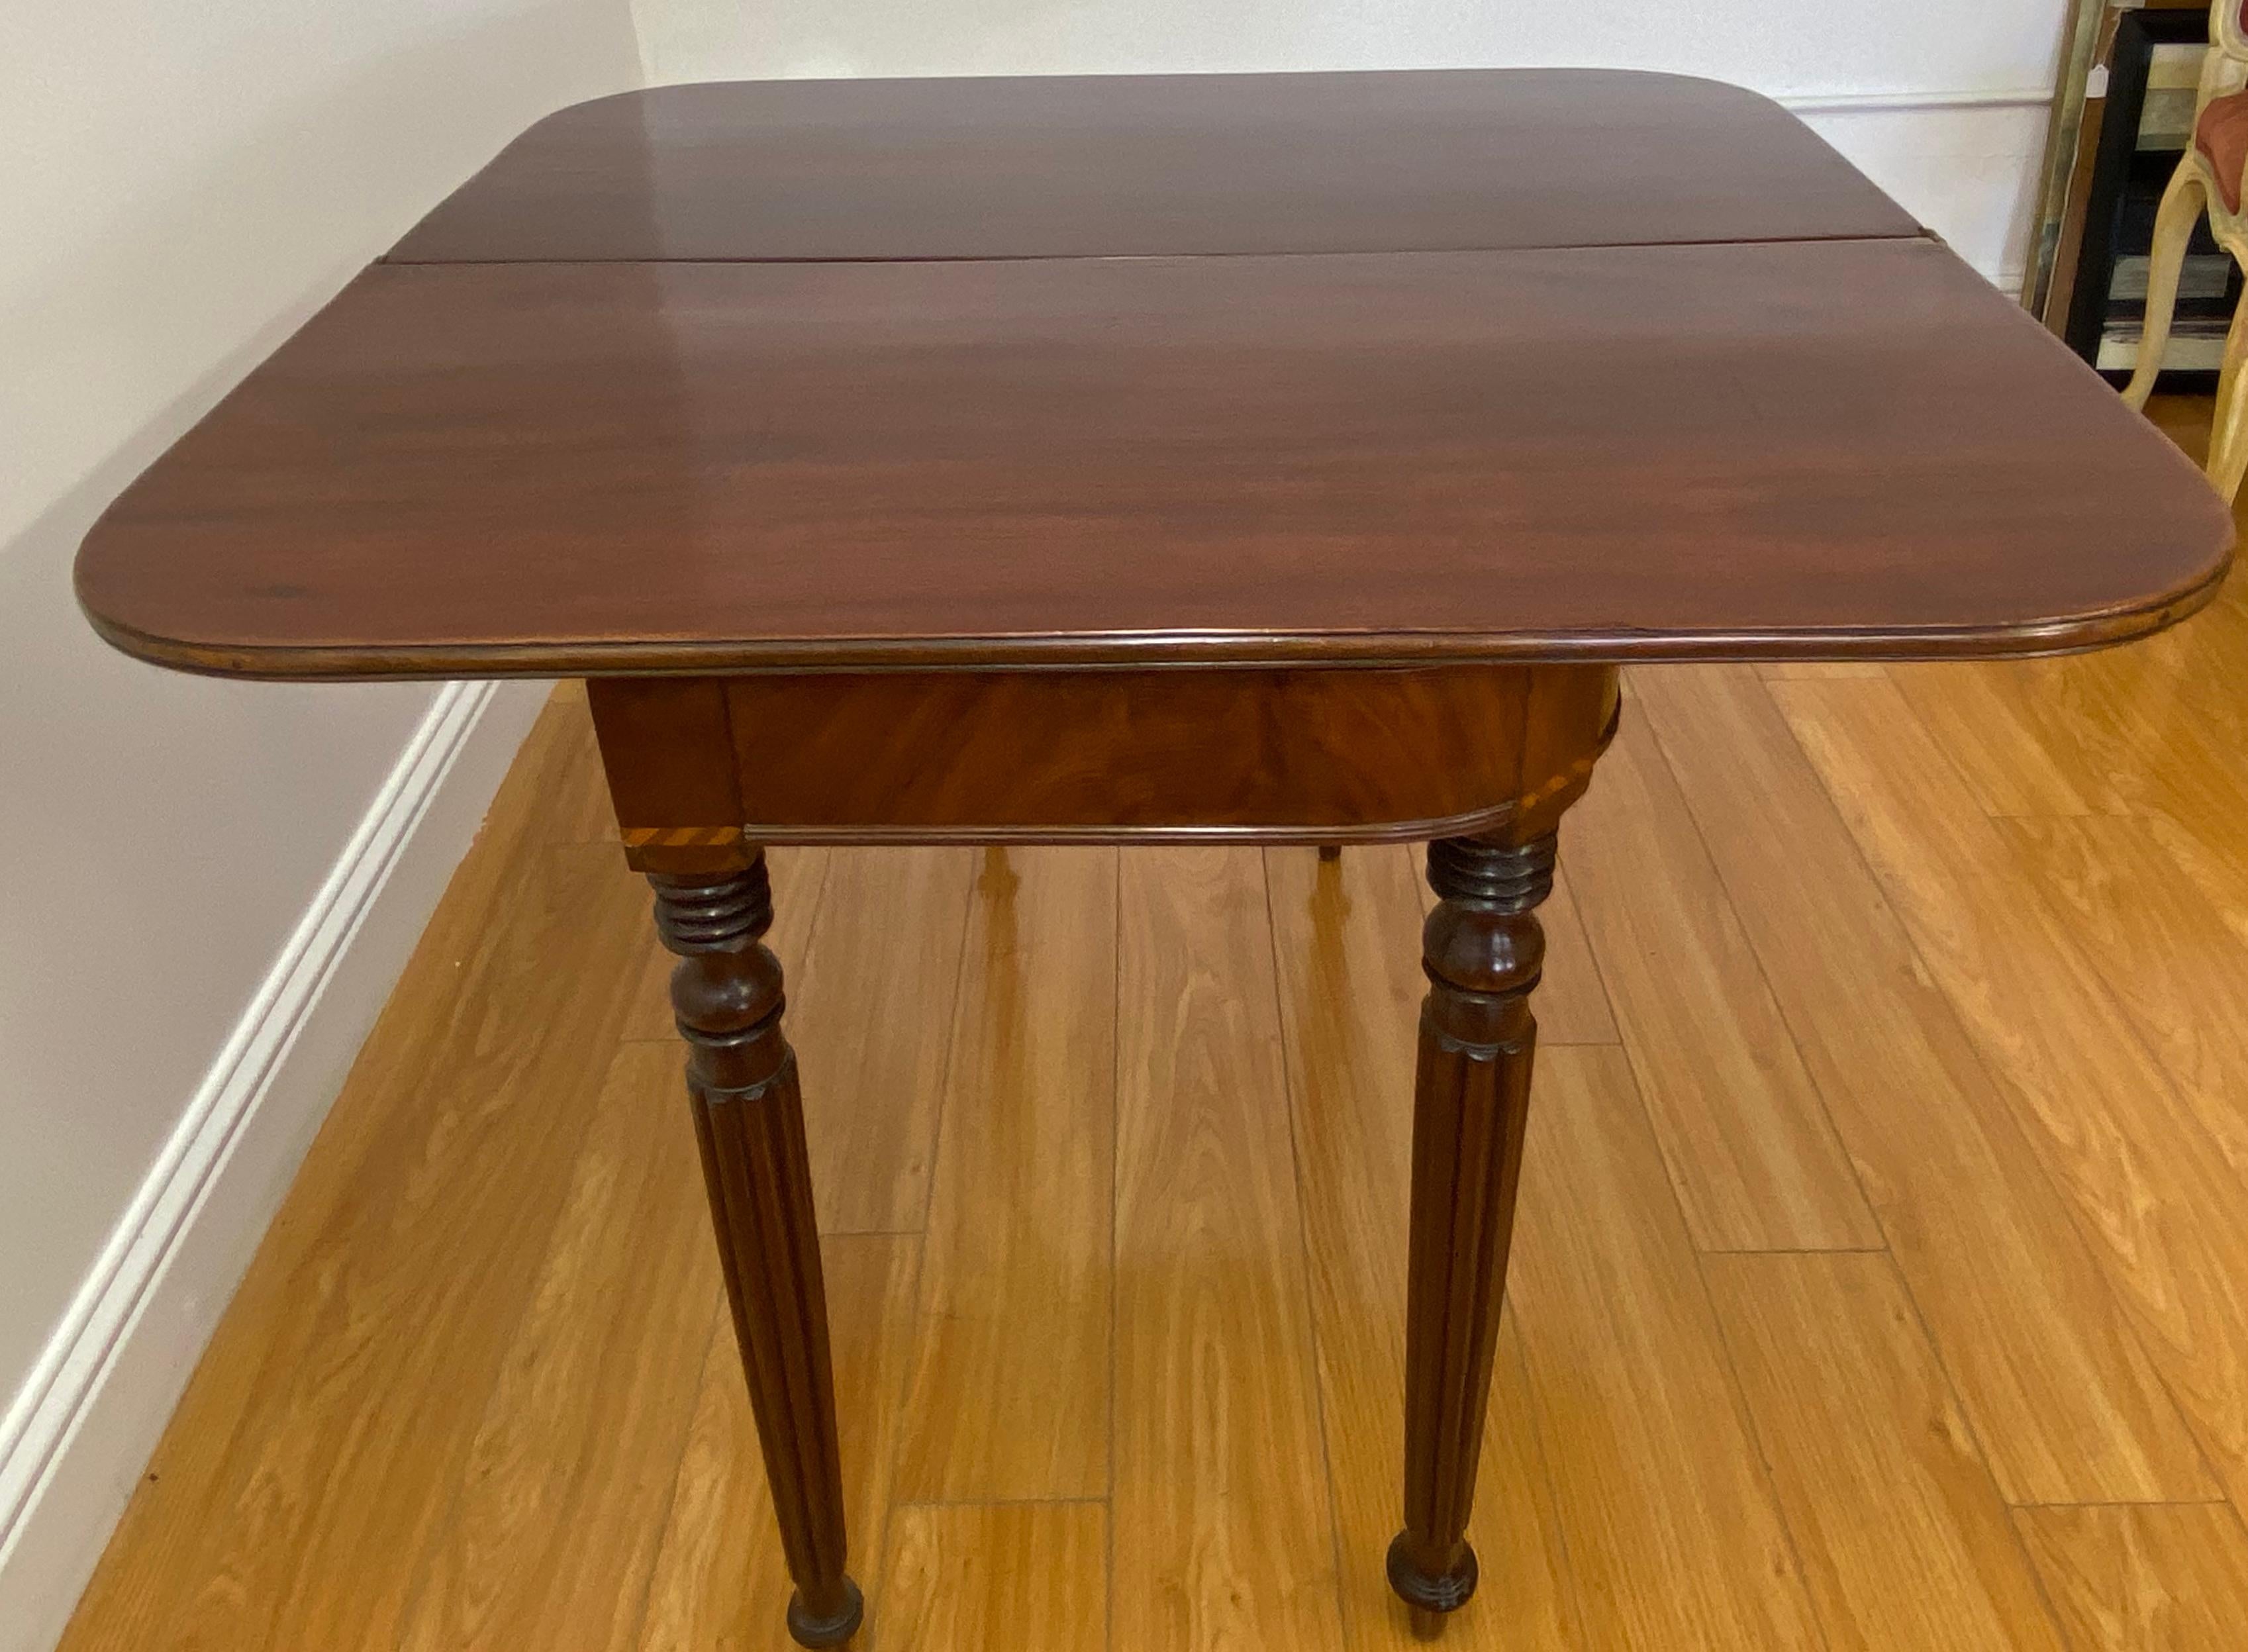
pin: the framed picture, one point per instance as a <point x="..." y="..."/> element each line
<point x="2080" y="105"/>
<point x="2153" y="67"/>
<point x="2079" y="100"/>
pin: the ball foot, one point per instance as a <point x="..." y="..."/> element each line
<point x="833" y="1630"/>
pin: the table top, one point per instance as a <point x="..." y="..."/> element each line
<point x="827" y="438"/>
<point x="1102" y="165"/>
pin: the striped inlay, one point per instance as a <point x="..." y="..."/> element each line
<point x="680" y="837"/>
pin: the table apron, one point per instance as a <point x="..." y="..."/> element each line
<point x="700" y="767"/>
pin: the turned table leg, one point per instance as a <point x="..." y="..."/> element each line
<point x="740" y="1077"/>
<point x="1481" y="948"/>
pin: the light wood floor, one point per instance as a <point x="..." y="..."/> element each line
<point x="1881" y="1279"/>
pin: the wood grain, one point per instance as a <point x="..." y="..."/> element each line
<point x="1572" y="1005"/>
<point x="2171" y="1579"/>
<point x="1904" y="1540"/>
<point x="702" y="767"/>
<point x="1023" y="1577"/>
<point x="2046" y="1366"/>
<point x="567" y="1484"/>
<point x="295" y="1519"/>
<point x="2179" y="970"/>
<point x="1010" y="1393"/>
<point x="2130" y="733"/>
<point x="1781" y="670"/>
<point x="718" y="1578"/>
<point x="1983" y="713"/>
<point x="1102" y="755"/>
<point x="458" y="964"/>
<point x="1636" y="1406"/>
<point x="2199" y="659"/>
<point x="666" y="746"/>
<point x="560" y="765"/>
<point x="870" y="1015"/>
<point x="1350" y="996"/>
<point x="1751" y="1149"/>
<point x="1074" y="166"/>
<point x="2145" y="730"/>
<point x="1223" y="1531"/>
<point x="1366" y="459"/>
<point x="2104" y="1120"/>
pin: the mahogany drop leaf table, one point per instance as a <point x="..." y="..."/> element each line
<point x="1272" y="459"/>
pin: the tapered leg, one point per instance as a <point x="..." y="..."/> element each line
<point x="741" y="1079"/>
<point x="1482" y="949"/>
<point x="2173" y="223"/>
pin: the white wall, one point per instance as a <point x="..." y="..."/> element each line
<point x="184" y="181"/>
<point x="1867" y="71"/>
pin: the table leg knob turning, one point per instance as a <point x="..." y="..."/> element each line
<point x="1482" y="949"/>
<point x="748" y="1118"/>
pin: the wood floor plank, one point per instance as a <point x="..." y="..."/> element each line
<point x="2156" y="1579"/>
<point x="2193" y="791"/>
<point x="1754" y="1158"/>
<point x="1010" y="1392"/>
<point x="2151" y="730"/>
<point x="1346" y="940"/>
<point x="2169" y="1218"/>
<point x="719" y="1579"/>
<point x="2040" y="1351"/>
<point x="1224" y="1537"/>
<point x="170" y="1515"/>
<point x="1987" y="712"/>
<point x="1785" y="670"/>
<point x="870" y="1015"/>
<point x="1673" y="1535"/>
<point x="1023" y="1577"/>
<point x="2210" y="652"/>
<point x="2172" y="764"/>
<point x="2217" y="871"/>
<point x="558" y="790"/>
<point x="2185" y="420"/>
<point x="1572" y="1004"/>
<point x="2179" y="971"/>
<point x="566" y="1487"/>
<point x="306" y="1523"/>
<point x="1904" y="1542"/>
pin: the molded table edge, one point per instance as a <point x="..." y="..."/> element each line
<point x="1183" y="651"/>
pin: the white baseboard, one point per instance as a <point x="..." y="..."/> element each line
<point x="76" y="1440"/>
<point x="1891" y="102"/>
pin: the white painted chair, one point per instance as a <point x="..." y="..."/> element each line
<point x="2209" y="178"/>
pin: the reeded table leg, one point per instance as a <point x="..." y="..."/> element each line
<point x="741" y="1077"/>
<point x="1482" y="949"/>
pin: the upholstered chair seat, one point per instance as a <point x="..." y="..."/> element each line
<point x="2221" y="135"/>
